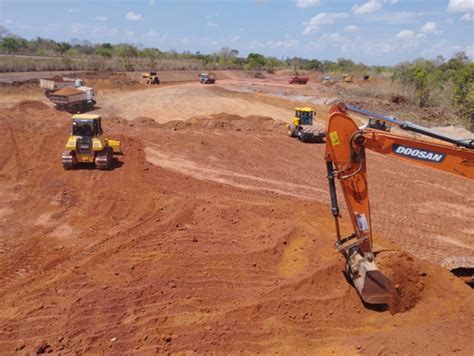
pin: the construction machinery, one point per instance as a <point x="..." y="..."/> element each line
<point x="298" y="80"/>
<point x="151" y="77"/>
<point x="69" y="94"/>
<point x="205" y="78"/>
<point x="327" y="80"/>
<point x="74" y="100"/>
<point x="303" y="129"/>
<point x="50" y="86"/>
<point x="347" y="78"/>
<point x="346" y="160"/>
<point x="87" y="144"/>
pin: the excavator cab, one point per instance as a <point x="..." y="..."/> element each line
<point x="378" y="124"/>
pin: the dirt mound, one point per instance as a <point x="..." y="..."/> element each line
<point x="31" y="105"/>
<point x="406" y="276"/>
<point x="224" y="121"/>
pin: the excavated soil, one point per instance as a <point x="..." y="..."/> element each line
<point x="211" y="236"/>
<point x="67" y="91"/>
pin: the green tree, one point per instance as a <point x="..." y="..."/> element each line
<point x="12" y="45"/>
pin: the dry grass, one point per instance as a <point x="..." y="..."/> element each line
<point x="93" y="63"/>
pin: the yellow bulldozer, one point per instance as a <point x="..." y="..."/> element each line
<point x="151" y="77"/>
<point x="86" y="144"/>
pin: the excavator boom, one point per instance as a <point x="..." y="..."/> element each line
<point x="346" y="160"/>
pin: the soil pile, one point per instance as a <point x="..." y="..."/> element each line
<point x="405" y="275"/>
<point x="226" y="121"/>
<point x="34" y="105"/>
<point x="67" y="92"/>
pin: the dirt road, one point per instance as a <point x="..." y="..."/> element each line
<point x="214" y="235"/>
<point x="180" y="102"/>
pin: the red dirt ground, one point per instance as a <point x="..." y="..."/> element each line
<point x="199" y="240"/>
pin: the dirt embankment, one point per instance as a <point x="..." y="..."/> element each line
<point x="194" y="243"/>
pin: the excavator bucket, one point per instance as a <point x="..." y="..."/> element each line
<point x="371" y="284"/>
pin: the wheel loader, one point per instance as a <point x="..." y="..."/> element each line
<point x="302" y="127"/>
<point x="87" y="144"/>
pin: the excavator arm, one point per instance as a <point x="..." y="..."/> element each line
<point x="346" y="146"/>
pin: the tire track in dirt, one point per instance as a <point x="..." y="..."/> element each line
<point x="167" y="263"/>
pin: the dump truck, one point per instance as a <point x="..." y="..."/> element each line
<point x="151" y="77"/>
<point x="205" y="78"/>
<point x="73" y="99"/>
<point x="298" y="80"/>
<point x="50" y="85"/>
<point x="303" y="129"/>
<point x="87" y="144"/>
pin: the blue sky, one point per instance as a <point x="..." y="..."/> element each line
<point x="370" y="31"/>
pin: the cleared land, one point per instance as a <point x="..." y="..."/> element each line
<point x="214" y="234"/>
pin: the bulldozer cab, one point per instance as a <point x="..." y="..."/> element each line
<point x="86" y="125"/>
<point x="304" y="116"/>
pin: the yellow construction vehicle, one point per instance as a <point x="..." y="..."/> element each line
<point x="302" y="127"/>
<point x="151" y="77"/>
<point x="347" y="78"/>
<point x="88" y="145"/>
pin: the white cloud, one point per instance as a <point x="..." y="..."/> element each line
<point x="405" y="35"/>
<point x="466" y="17"/>
<point x="101" y="18"/>
<point x="429" y="27"/>
<point x="307" y="3"/>
<point x="152" y="2"/>
<point x="284" y="44"/>
<point x="367" y="8"/>
<point x="131" y="16"/>
<point x="461" y="5"/>
<point x="322" y="19"/>
<point x="212" y="24"/>
<point x="351" y="28"/>
<point x="152" y="33"/>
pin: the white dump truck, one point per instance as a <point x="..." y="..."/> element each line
<point x="69" y="94"/>
<point x="74" y="99"/>
<point x="50" y="85"/>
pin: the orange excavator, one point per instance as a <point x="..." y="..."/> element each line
<point x="346" y="160"/>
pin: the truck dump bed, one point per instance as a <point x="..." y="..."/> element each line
<point x="49" y="84"/>
<point x="68" y="96"/>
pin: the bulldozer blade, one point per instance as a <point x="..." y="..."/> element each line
<point x="371" y="284"/>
